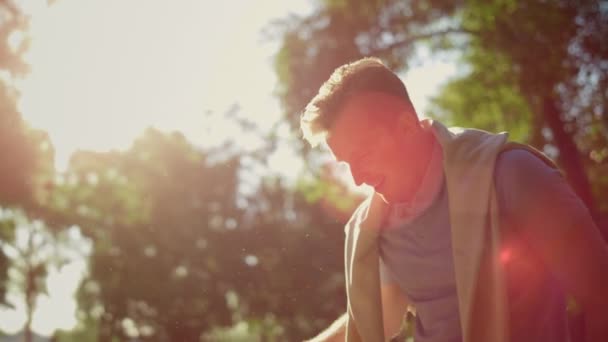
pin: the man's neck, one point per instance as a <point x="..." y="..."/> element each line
<point x="423" y="158"/>
<point x="427" y="143"/>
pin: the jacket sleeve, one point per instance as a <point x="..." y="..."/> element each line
<point x="554" y="221"/>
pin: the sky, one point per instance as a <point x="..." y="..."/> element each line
<point x="103" y="71"/>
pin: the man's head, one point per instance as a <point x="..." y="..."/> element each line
<point x="346" y="82"/>
<point x="364" y="113"/>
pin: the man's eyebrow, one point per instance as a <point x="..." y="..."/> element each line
<point x="333" y="154"/>
<point x="351" y="158"/>
<point x="338" y="159"/>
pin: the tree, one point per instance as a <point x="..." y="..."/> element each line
<point x="32" y="250"/>
<point x="16" y="148"/>
<point x="179" y="250"/>
<point x="147" y="211"/>
<point x="26" y="153"/>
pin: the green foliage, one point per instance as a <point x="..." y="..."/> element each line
<point x="173" y="239"/>
<point x="7" y="233"/>
<point x="30" y="250"/>
<point x="85" y="331"/>
<point x="17" y="149"/>
<point x="152" y="212"/>
<point x="26" y="153"/>
<point x="247" y="331"/>
<point x="487" y="97"/>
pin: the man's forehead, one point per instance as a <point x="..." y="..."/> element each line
<point x="373" y="100"/>
<point x="367" y="110"/>
<point x="346" y="142"/>
<point x="354" y="117"/>
<point x="337" y="146"/>
<point x="357" y="121"/>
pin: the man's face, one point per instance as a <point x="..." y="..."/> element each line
<point x="375" y="140"/>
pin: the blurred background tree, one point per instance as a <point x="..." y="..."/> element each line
<point x="27" y="159"/>
<point x="179" y="251"/>
<point x="33" y="250"/>
<point x="13" y="184"/>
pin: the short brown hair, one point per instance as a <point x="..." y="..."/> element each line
<point x="366" y="74"/>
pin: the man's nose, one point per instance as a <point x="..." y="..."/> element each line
<point x="358" y="182"/>
<point x="358" y="177"/>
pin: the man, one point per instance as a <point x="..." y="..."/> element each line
<point x="484" y="238"/>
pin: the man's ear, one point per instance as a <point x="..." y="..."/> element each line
<point x="406" y="120"/>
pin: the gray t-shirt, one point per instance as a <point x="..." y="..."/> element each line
<point x="417" y="255"/>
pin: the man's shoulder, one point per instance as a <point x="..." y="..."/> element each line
<point x="462" y="143"/>
<point x="521" y="160"/>
<point x="369" y="215"/>
<point x="521" y="174"/>
<point x="515" y="155"/>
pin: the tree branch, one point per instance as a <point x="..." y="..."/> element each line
<point x="422" y="36"/>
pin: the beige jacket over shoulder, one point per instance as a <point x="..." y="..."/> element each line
<point x="469" y="156"/>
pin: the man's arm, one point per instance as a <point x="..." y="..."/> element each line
<point x="394" y="307"/>
<point x="557" y="225"/>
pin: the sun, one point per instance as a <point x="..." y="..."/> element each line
<point x="103" y="71"/>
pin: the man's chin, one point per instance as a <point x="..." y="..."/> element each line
<point x="384" y="198"/>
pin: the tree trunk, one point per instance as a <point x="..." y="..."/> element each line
<point x="105" y="332"/>
<point x="30" y="293"/>
<point x="569" y="156"/>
